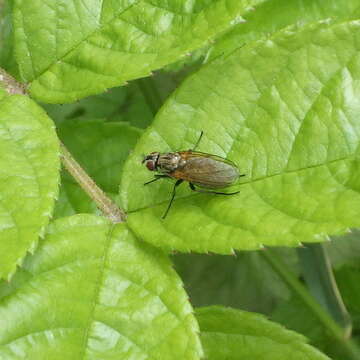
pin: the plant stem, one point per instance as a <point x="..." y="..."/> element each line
<point x="320" y="280"/>
<point x="10" y="84"/>
<point x="294" y="284"/>
<point x="150" y="93"/>
<point x="106" y="205"/>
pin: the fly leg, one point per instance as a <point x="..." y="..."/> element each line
<point x="197" y="143"/>
<point x="178" y="182"/>
<point x="157" y="177"/>
<point x="192" y="187"/>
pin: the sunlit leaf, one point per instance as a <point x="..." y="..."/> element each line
<point x="92" y="291"/>
<point x="29" y="176"/>
<point x="83" y="48"/>
<point x="285" y="110"/>
<point x="271" y="16"/>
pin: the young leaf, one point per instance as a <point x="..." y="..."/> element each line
<point x="285" y="111"/>
<point x="233" y="334"/>
<point x="93" y="291"/>
<point x="29" y="176"/>
<point x="89" y="47"/>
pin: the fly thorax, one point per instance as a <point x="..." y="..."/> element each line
<point x="169" y="162"/>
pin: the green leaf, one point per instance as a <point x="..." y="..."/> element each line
<point x="233" y="334"/>
<point x="93" y="291"/>
<point x="344" y="249"/>
<point x="7" y="60"/>
<point x="348" y="279"/>
<point x="244" y="281"/>
<point x="101" y="149"/>
<point x="295" y="316"/>
<point x="89" y="47"/>
<point x="285" y="111"/>
<point x="29" y="176"/>
<point x="273" y="15"/>
<point x="125" y="104"/>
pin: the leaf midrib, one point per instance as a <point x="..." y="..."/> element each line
<point x="190" y="195"/>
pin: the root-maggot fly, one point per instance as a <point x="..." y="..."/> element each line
<point x="199" y="169"/>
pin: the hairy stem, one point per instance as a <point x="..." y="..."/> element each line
<point x="106" y="205"/>
<point x="317" y="310"/>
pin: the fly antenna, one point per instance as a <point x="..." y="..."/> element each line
<point x="197" y="143"/>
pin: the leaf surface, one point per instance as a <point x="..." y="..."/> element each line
<point x="83" y="48"/>
<point x="233" y="334"/>
<point x="271" y="16"/>
<point x="92" y="291"/>
<point x="29" y="176"/>
<point x="285" y="111"/>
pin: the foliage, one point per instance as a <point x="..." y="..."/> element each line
<point x="274" y="86"/>
<point x="232" y="334"/>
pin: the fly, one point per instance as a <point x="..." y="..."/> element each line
<point x="199" y="169"/>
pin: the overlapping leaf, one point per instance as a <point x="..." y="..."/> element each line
<point x="285" y="110"/>
<point x="232" y="334"/>
<point x="92" y="291"/>
<point x="124" y="103"/>
<point x="82" y="48"/>
<point x="29" y="176"/>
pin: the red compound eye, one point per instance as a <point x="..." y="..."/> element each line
<point x="150" y="165"/>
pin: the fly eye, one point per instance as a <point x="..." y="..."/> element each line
<point x="146" y="158"/>
<point x="150" y="165"/>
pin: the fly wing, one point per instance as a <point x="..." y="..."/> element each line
<point x="207" y="170"/>
<point x="195" y="154"/>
